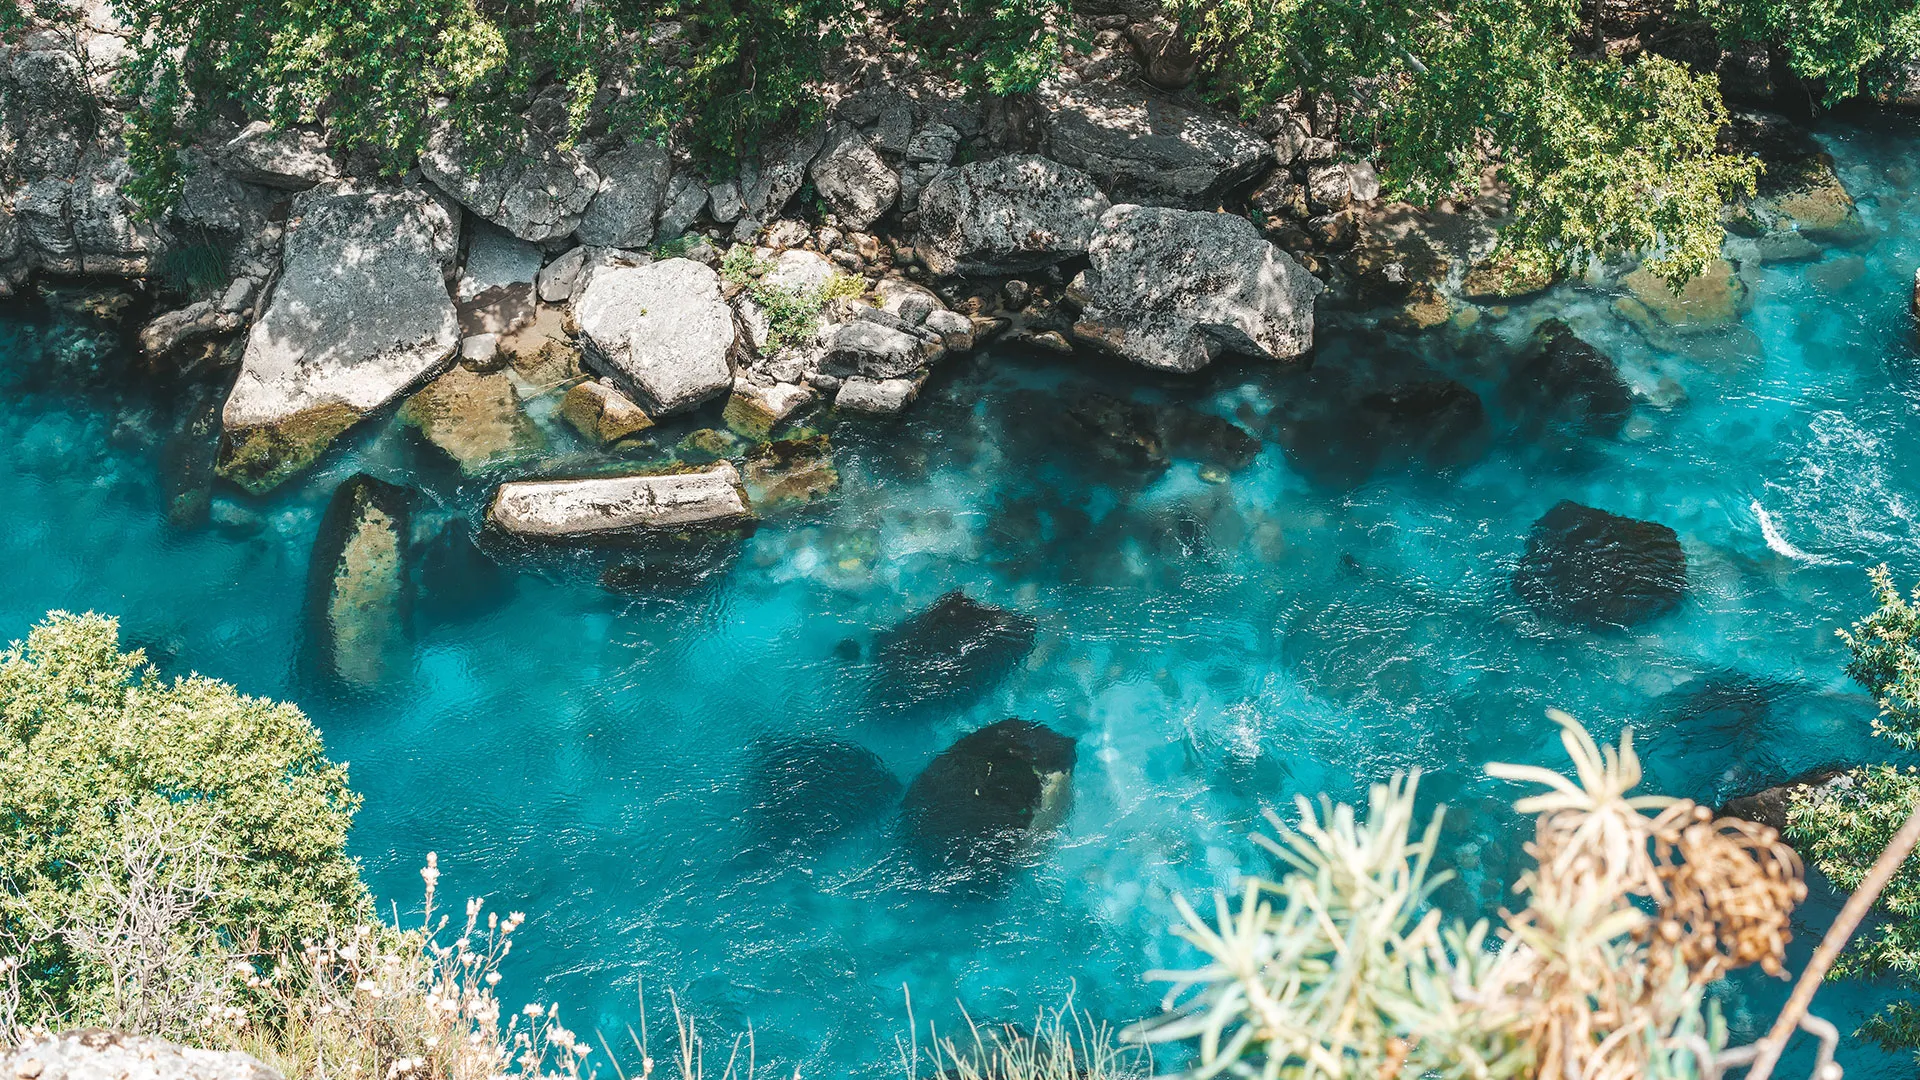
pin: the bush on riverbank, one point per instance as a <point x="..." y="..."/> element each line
<point x="153" y="832"/>
<point x="1844" y="824"/>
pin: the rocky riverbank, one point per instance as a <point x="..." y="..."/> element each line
<point x="622" y="283"/>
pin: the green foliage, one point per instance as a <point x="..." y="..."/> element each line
<point x="1826" y="41"/>
<point x="1599" y="155"/>
<point x="1842" y="826"/>
<point x="1886" y="660"/>
<point x="1004" y="46"/>
<point x="793" y="314"/>
<point x="103" y="763"/>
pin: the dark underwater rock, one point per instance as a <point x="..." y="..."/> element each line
<point x="806" y="790"/>
<point x="1120" y="434"/>
<point x="188" y="456"/>
<point x="950" y="653"/>
<point x="1563" y="378"/>
<point x="458" y="579"/>
<point x="986" y="797"/>
<point x="359" y="584"/>
<point x="791" y="472"/>
<point x="1436" y="422"/>
<point x="1200" y="436"/>
<point x="1593" y="568"/>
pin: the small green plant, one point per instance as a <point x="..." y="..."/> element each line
<point x="678" y="247"/>
<point x="792" y="314"/>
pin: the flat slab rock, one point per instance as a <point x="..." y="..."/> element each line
<point x="359" y="315"/>
<point x="615" y="504"/>
<point x="1173" y="289"/>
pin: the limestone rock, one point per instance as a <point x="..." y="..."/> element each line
<point x="1142" y="148"/>
<point x="876" y="350"/>
<point x="174" y="330"/>
<point x="1589" y="567"/>
<point x="556" y="282"/>
<point x="755" y="410"/>
<point x="558" y="509"/>
<point x="96" y="1054"/>
<point x="538" y="193"/>
<point x="862" y="394"/>
<point x="660" y="330"/>
<point x="984" y="800"/>
<point x="293" y="160"/>
<point x="1173" y="289"/>
<point x="359" y="584"/>
<point x="359" y="314"/>
<point x="1010" y="214"/>
<point x="475" y="418"/>
<point x="769" y="183"/>
<point x="686" y="197"/>
<point x="626" y="205"/>
<point x="602" y="413"/>
<point x="855" y="182"/>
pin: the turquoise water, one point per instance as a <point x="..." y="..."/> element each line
<point x="586" y="756"/>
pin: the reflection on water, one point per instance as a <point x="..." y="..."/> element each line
<point x="1240" y="587"/>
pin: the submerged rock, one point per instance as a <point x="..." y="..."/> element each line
<point x="360" y="314"/>
<point x="1769" y="806"/>
<point x="601" y="413"/>
<point x="476" y="419"/>
<point x="806" y="790"/>
<point x="1710" y="300"/>
<point x="1594" y="568"/>
<point x="359" y="585"/>
<point x="1798" y="190"/>
<point x="1007" y="215"/>
<point x="791" y="472"/>
<point x="604" y="505"/>
<point x="1436" y="422"/>
<point x="1563" y="378"/>
<point x="987" y="797"/>
<point x="950" y="653"/>
<point x="1173" y="289"/>
<point x="755" y="410"/>
<point x="661" y="330"/>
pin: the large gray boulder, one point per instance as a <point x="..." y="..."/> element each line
<point x="626" y="207"/>
<point x="536" y="192"/>
<point x="111" y="1055"/>
<point x="557" y="509"/>
<point x="1146" y="149"/>
<point x="1011" y="214"/>
<point x="855" y="182"/>
<point x="294" y="160"/>
<point x="770" y="182"/>
<point x="659" y="329"/>
<point x="360" y="315"/>
<point x="1173" y="289"/>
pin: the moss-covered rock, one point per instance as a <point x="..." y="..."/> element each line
<point x="475" y="418"/>
<point x="1712" y="299"/>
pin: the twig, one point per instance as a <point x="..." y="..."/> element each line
<point x="1837" y="936"/>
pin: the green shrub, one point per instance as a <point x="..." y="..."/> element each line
<point x="793" y="314"/>
<point x="1842" y="826"/>
<point x="209" y="821"/>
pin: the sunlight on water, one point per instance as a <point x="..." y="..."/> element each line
<point x="1321" y="619"/>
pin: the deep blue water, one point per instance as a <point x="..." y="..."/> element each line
<point x="584" y="755"/>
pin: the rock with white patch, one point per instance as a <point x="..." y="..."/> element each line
<point x="660" y="330"/>
<point x="604" y="505"/>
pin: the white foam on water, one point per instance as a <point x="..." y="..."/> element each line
<point x="1780" y="545"/>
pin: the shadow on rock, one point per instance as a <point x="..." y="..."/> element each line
<point x="987" y="800"/>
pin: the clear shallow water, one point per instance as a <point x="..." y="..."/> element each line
<point x="584" y="756"/>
